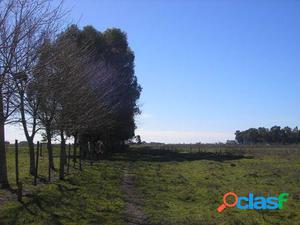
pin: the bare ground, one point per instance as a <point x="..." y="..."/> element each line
<point x="134" y="214"/>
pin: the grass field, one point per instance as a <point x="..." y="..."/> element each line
<point x="92" y="196"/>
<point x="174" y="186"/>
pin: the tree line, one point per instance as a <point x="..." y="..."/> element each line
<point x="71" y="83"/>
<point x="274" y="135"/>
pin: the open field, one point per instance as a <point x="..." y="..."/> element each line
<point x="170" y="184"/>
<point x="105" y="87"/>
<point x="92" y="196"/>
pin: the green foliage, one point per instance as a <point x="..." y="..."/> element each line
<point x="91" y="85"/>
<point x="263" y="135"/>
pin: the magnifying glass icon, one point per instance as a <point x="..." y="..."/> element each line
<point x="225" y="203"/>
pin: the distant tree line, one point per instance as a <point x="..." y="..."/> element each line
<point x="274" y="135"/>
<point x="71" y="83"/>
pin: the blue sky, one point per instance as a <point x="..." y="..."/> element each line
<point x="207" y="68"/>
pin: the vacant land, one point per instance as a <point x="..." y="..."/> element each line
<point x="91" y="196"/>
<point x="160" y="185"/>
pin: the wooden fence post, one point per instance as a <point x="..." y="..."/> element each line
<point x="90" y="153"/>
<point x="74" y="153"/>
<point x="37" y="162"/>
<point x="41" y="149"/>
<point x="49" y="170"/>
<point x="69" y="157"/>
<point x="19" y="184"/>
<point x="80" y="160"/>
<point x="17" y="161"/>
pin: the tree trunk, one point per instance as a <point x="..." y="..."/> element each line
<point x="50" y="149"/>
<point x="69" y="157"/>
<point x="28" y="137"/>
<point x="74" y="149"/>
<point x="83" y="142"/>
<point x="62" y="156"/>
<point x="3" y="166"/>
<point x="31" y="156"/>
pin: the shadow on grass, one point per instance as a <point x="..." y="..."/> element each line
<point x="62" y="202"/>
<point x="31" y="208"/>
<point x="162" y="155"/>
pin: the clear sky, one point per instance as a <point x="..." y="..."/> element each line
<point x="207" y="68"/>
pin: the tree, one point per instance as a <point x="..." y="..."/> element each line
<point x="116" y="91"/>
<point x="27" y="107"/>
<point x="238" y="136"/>
<point x="22" y="26"/>
<point x="86" y="88"/>
<point x="286" y="136"/>
<point x="264" y="135"/>
<point x="68" y="89"/>
<point x="275" y="133"/>
<point x="295" y="136"/>
<point x="252" y="136"/>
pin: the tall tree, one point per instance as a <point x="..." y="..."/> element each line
<point x="23" y="24"/>
<point x="113" y="83"/>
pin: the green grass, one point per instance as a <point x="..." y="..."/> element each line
<point x="187" y="188"/>
<point x="90" y="197"/>
<point x="176" y="187"/>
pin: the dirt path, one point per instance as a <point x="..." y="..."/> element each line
<point x="134" y="214"/>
